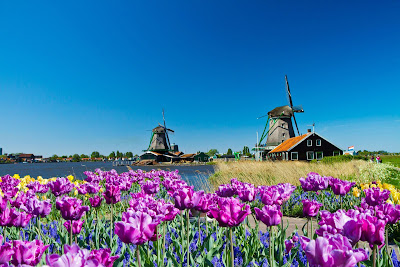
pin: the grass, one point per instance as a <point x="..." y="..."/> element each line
<point x="395" y="160"/>
<point x="270" y="173"/>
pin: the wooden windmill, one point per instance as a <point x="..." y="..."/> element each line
<point x="279" y="125"/>
<point x="159" y="141"/>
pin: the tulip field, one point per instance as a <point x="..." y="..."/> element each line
<point x="155" y="218"/>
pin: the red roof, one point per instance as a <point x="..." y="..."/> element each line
<point x="288" y="144"/>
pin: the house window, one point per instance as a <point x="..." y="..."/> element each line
<point x="283" y="156"/>
<point x="319" y="155"/>
<point x="310" y="155"/>
<point x="336" y="153"/>
<point x="283" y="135"/>
<point x="295" y="155"/>
<point x="318" y="142"/>
<point x="309" y="142"/>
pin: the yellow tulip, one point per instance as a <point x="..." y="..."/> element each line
<point x="356" y="192"/>
<point x="75" y="192"/>
<point x="70" y="178"/>
<point x="44" y="197"/>
<point x="16" y="176"/>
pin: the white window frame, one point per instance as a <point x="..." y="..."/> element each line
<point x="295" y="153"/>
<point x="307" y="153"/>
<point x="316" y="155"/>
<point x="316" y="142"/>
<point x="283" y="156"/>
<point x="309" y="142"/>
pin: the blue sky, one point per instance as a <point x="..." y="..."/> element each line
<point x="94" y="75"/>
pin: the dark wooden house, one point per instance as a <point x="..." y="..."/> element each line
<point x="305" y="147"/>
<point x="201" y="157"/>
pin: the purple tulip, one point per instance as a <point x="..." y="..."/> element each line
<point x="36" y="207"/>
<point x="225" y="190"/>
<point x="246" y="192"/>
<point x="205" y="201"/>
<point x="374" y="196"/>
<point x="388" y="212"/>
<point x="151" y="187"/>
<point x="289" y="245"/>
<point x="88" y="188"/>
<point x="332" y="250"/>
<point x="340" y="187"/>
<point x="373" y="230"/>
<point x="9" y="193"/>
<point x="112" y="194"/>
<point x="229" y="211"/>
<point x="60" y="186"/>
<point x="27" y="252"/>
<point x="135" y="228"/>
<point x="310" y="208"/>
<point x="76" y="226"/>
<point x="75" y="257"/>
<point x="6" y="251"/>
<point x="285" y="191"/>
<point x="314" y="182"/>
<point x="71" y="208"/>
<point x="168" y="211"/>
<point x="270" y="215"/>
<point x="102" y="257"/>
<point x="95" y="201"/>
<point x="38" y="187"/>
<point x="270" y="195"/>
<point x="187" y="198"/>
<point x="18" y="219"/>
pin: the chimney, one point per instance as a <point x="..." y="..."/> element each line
<point x="308" y="130"/>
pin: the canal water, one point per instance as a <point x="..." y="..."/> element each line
<point x="193" y="175"/>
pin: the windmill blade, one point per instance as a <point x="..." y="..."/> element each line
<point x="298" y="108"/>
<point x="262" y="116"/>
<point x="288" y="92"/>
<point x="295" y="122"/>
<point x="166" y="130"/>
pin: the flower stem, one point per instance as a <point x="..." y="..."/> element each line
<point x="187" y="236"/>
<point x="232" y="254"/>
<point x="138" y="256"/>
<point x="163" y="245"/>
<point x="311" y="232"/>
<point x="374" y="256"/>
<point x="111" y="226"/>
<point x="70" y="233"/>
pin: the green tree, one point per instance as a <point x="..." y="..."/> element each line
<point x="54" y="157"/>
<point x="112" y="155"/>
<point x="95" y="154"/>
<point x="229" y="152"/>
<point x="76" y="158"/>
<point x="129" y="155"/>
<point x="246" y="150"/>
<point x="119" y="154"/>
<point x="212" y="152"/>
<point x="84" y="156"/>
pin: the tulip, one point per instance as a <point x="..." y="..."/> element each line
<point x="388" y="212"/>
<point x="314" y="182"/>
<point x="150" y="187"/>
<point x="187" y="198"/>
<point x="340" y="187"/>
<point x="135" y="228"/>
<point x="270" y="215"/>
<point x="373" y="230"/>
<point x="112" y="194"/>
<point x="88" y="188"/>
<point x="38" y="187"/>
<point x="19" y="219"/>
<point x="229" y="212"/>
<point x="246" y="192"/>
<point x="36" y="207"/>
<point x="76" y="226"/>
<point x="285" y="191"/>
<point x="29" y="253"/>
<point x="168" y="211"/>
<point x="270" y="195"/>
<point x="102" y="257"/>
<point x="60" y="186"/>
<point x="310" y="208"/>
<point x="374" y="196"/>
<point x="205" y="201"/>
<point x="289" y="245"/>
<point x="71" y="208"/>
<point x="6" y="252"/>
<point x="95" y="201"/>
<point x="332" y="250"/>
<point x="225" y="190"/>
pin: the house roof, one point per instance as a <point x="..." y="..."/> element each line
<point x="188" y="156"/>
<point x="288" y="144"/>
<point x="25" y="155"/>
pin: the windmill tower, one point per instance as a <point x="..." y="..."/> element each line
<point x="159" y="141"/>
<point x="279" y="124"/>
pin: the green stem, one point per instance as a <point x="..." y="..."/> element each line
<point x="341" y="202"/>
<point x="138" y="256"/>
<point x="38" y="226"/>
<point x="205" y="218"/>
<point x="270" y="246"/>
<point x="70" y="232"/>
<point x="198" y="222"/>
<point x="311" y="232"/>
<point x="187" y="236"/>
<point x="232" y="254"/>
<point x="374" y="257"/>
<point x="163" y="245"/>
<point x="111" y="232"/>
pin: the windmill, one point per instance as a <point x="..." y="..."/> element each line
<point x="159" y="141"/>
<point x="279" y="124"/>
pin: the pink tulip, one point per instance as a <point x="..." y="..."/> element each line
<point x="340" y="187"/>
<point x="27" y="252"/>
<point x="229" y="211"/>
<point x="76" y="226"/>
<point x="310" y="208"/>
<point x="270" y="215"/>
<point x="187" y="198"/>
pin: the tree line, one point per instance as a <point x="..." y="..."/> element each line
<point x="94" y="155"/>
<point x="245" y="152"/>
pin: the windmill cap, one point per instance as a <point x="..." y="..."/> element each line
<point x="276" y="112"/>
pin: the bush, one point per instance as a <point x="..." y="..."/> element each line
<point x="341" y="158"/>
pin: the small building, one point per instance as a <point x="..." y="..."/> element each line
<point x="26" y="158"/>
<point x="201" y="157"/>
<point x="305" y="147"/>
<point x="187" y="157"/>
<point x="152" y="155"/>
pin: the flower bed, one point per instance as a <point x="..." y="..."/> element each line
<point x="155" y="219"/>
